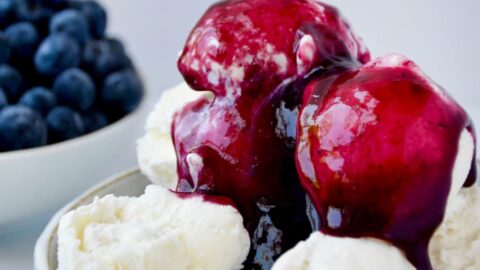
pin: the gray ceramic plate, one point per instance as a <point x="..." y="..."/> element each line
<point x="131" y="183"/>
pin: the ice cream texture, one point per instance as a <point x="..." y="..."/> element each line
<point x="157" y="229"/>
<point x="454" y="246"/>
<point x="324" y="252"/>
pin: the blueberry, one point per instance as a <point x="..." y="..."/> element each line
<point x="7" y="7"/>
<point x="21" y="128"/>
<point x="101" y="58"/>
<point x="57" y="53"/>
<point x="116" y="44"/>
<point x="94" y="121"/>
<point x="54" y="4"/>
<point x="36" y="14"/>
<point x="117" y="47"/>
<point x="96" y="16"/>
<point x="72" y="23"/>
<point x="11" y="82"/>
<point x="122" y="91"/>
<point x="64" y="124"/>
<point x="4" y="49"/>
<point x="74" y="88"/>
<point x="7" y="11"/>
<point x="39" y="99"/>
<point x="23" y="38"/>
<point x="3" y="99"/>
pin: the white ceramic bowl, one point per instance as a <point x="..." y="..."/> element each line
<point x="131" y="183"/>
<point x="36" y="182"/>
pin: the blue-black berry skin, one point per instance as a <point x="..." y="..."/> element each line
<point x="31" y="12"/>
<point x="100" y="58"/>
<point x="11" y="82"/>
<point x="116" y="45"/>
<point x="94" y="121"/>
<point x="78" y="79"/>
<point x="57" y="53"/>
<point x="4" y="49"/>
<point x="75" y="89"/>
<point x="7" y="7"/>
<point x="72" y="23"/>
<point x="3" y="99"/>
<point x="64" y="124"/>
<point x="40" y="99"/>
<point x="54" y="4"/>
<point x="23" y="39"/>
<point x="37" y="15"/>
<point x="21" y="128"/>
<point x="122" y="92"/>
<point x="7" y="11"/>
<point x="96" y="17"/>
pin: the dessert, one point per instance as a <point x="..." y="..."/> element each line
<point x="376" y="152"/>
<point x="155" y="150"/>
<point x="57" y="61"/>
<point x="157" y="229"/>
<point x="286" y="118"/>
<point x="241" y="143"/>
<point x="453" y="246"/>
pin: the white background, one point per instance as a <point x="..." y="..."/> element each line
<point x="442" y="36"/>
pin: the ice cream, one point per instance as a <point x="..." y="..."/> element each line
<point x="155" y="151"/>
<point x="453" y="240"/>
<point x="159" y="229"/>
<point x="456" y="243"/>
<point x="377" y="151"/>
<point x="291" y="122"/>
<point x="248" y="48"/>
<point x="322" y="252"/>
<point x="256" y="57"/>
<point x="454" y="246"/>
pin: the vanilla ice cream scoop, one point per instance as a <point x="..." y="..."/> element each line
<point x="158" y="230"/>
<point x="455" y="245"/>
<point x="155" y="151"/>
<point x="322" y="252"/>
<point x="378" y="153"/>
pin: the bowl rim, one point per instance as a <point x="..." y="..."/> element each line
<point x="79" y="140"/>
<point x="42" y="255"/>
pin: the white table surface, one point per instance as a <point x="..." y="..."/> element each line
<point x="442" y="37"/>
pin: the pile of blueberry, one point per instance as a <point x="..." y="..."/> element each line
<point x="60" y="76"/>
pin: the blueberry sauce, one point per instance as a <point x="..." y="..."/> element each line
<point x="256" y="56"/>
<point x="376" y="151"/>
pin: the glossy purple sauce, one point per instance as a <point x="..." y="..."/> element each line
<point x="225" y="201"/>
<point x="376" y="150"/>
<point x="249" y="164"/>
<point x="374" y="146"/>
<point x="256" y="56"/>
